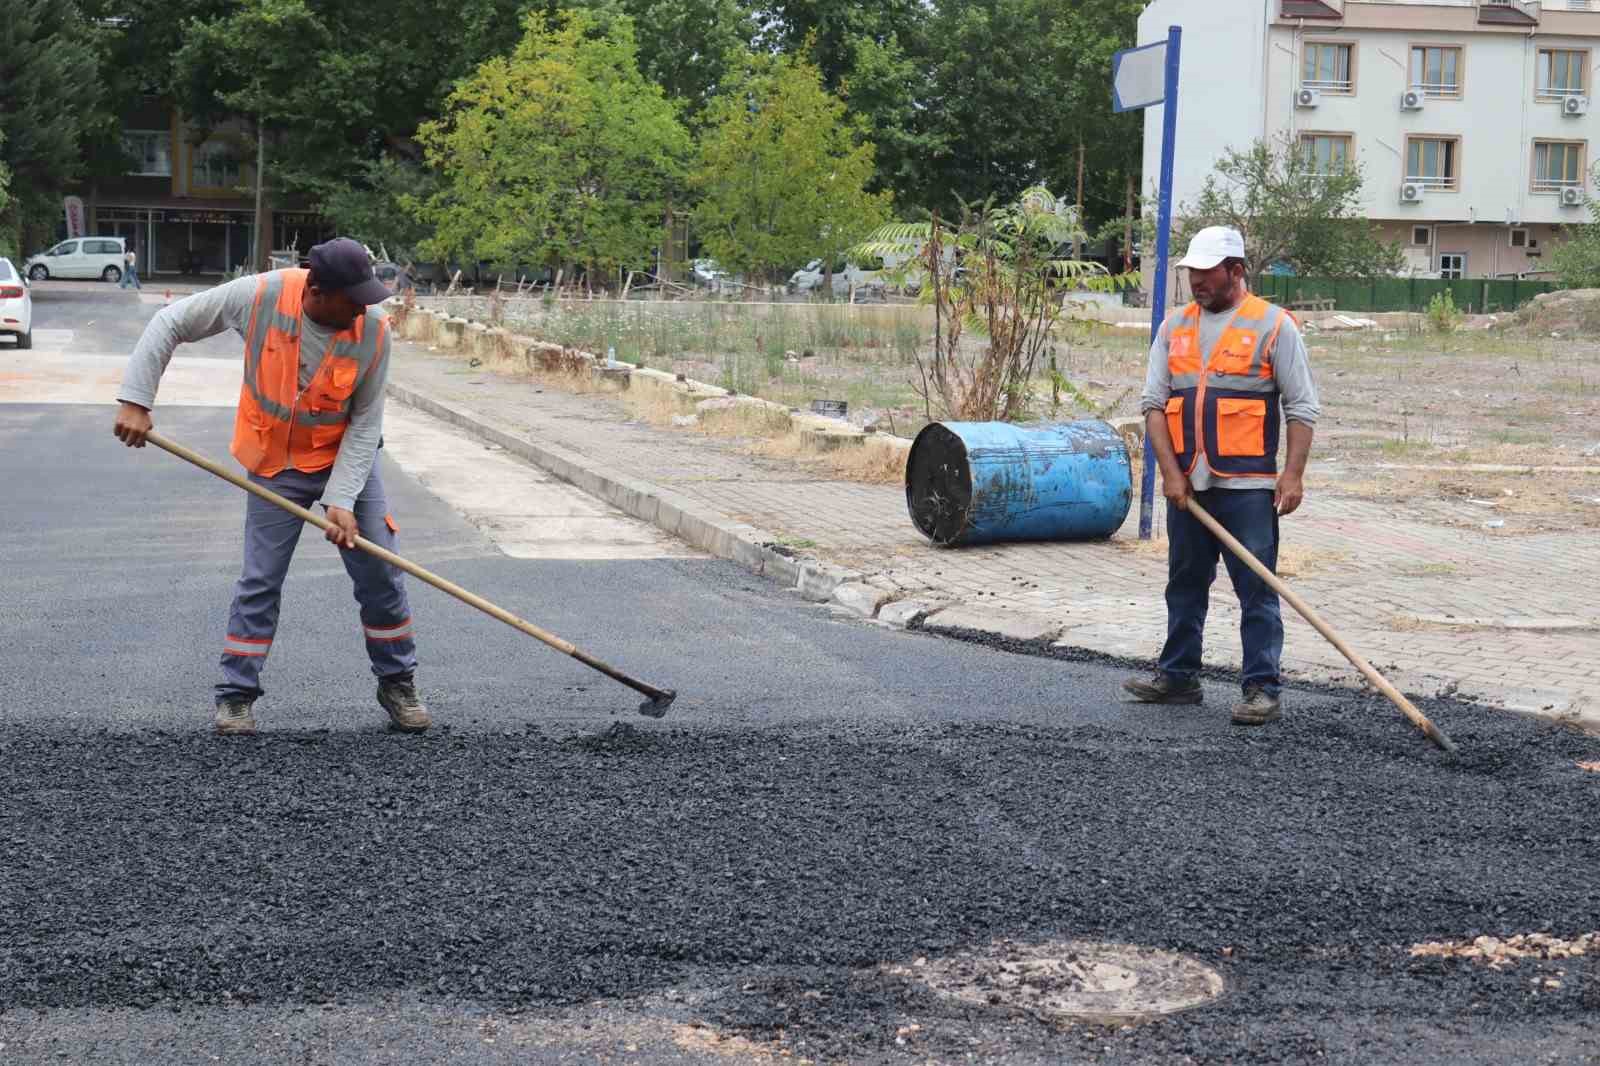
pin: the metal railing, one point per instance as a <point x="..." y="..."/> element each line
<point x="1431" y="181"/>
<point x="1328" y="85"/>
<point x="1555" y="184"/>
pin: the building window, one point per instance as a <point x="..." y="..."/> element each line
<point x="213" y="166"/>
<point x="1326" y="153"/>
<point x="1453" y="265"/>
<point x="1519" y="238"/>
<point x="1436" y="70"/>
<point x="1557" y="165"/>
<point x="1421" y="236"/>
<point x="1328" y="68"/>
<point x="1433" y="161"/>
<point x="1561" y="73"/>
<point x="150" y="152"/>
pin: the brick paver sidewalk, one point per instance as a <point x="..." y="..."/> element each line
<point x="1395" y="586"/>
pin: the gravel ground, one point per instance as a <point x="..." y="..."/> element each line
<point x="758" y="878"/>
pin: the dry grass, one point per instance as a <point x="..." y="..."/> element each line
<point x="872" y="462"/>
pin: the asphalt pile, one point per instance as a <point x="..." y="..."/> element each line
<point x="782" y="873"/>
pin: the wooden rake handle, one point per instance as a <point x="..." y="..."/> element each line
<point x="1379" y="682"/>
<point x="657" y="699"/>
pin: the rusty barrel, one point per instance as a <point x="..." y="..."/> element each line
<point x="984" y="482"/>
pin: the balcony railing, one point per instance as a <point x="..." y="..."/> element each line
<point x="1554" y="185"/>
<point x="1328" y="85"/>
<point x="1550" y="92"/>
<point x="1438" y="89"/>
<point x="1432" y="182"/>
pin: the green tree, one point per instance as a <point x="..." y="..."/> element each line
<point x="1576" y="258"/>
<point x="8" y="239"/>
<point x="1291" y="212"/>
<point x="688" y="47"/>
<point x="371" y="207"/>
<point x="783" y="173"/>
<point x="52" y="104"/>
<point x="1015" y="86"/>
<point x="561" y="154"/>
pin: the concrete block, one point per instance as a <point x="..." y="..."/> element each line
<point x="1011" y="625"/>
<point x="860" y="598"/>
<point x="902" y="613"/>
<point x="818" y="580"/>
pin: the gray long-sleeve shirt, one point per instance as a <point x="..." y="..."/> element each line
<point x="228" y="306"/>
<point x="1291" y="370"/>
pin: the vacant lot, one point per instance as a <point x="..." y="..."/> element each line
<point x="1408" y="415"/>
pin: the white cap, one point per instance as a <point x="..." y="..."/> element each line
<point x="1211" y="246"/>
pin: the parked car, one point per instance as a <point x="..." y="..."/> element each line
<point x="16" y="305"/>
<point x="846" y="277"/>
<point x="81" y="257"/>
<point x="709" y="273"/>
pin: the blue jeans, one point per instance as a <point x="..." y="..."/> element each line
<point x="270" y="537"/>
<point x="130" y="276"/>
<point x="1250" y="516"/>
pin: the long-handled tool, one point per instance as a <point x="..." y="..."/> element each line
<point x="1379" y="682"/>
<point x="657" y="700"/>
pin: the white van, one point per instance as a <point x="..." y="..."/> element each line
<point x="81" y="257"/>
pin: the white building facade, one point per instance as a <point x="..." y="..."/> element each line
<point x="1470" y="119"/>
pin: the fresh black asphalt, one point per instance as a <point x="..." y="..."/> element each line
<point x="548" y="877"/>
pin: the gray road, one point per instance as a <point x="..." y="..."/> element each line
<point x="548" y="878"/>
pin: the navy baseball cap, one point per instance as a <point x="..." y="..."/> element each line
<point x="343" y="265"/>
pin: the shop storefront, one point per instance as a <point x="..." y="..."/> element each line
<point x="186" y="240"/>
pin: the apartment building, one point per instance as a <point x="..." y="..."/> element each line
<point x="1471" y="119"/>
<point x="187" y="203"/>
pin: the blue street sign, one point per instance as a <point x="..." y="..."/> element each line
<point x="1143" y="77"/>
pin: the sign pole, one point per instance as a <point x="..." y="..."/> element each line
<point x="1158" y="294"/>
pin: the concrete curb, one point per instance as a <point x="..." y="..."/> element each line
<point x="752" y="548"/>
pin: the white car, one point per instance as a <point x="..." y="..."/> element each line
<point x="846" y="276"/>
<point x="709" y="273"/>
<point x="81" y="257"/>
<point x="16" y="305"/>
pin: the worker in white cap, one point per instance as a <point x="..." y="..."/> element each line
<point x="1227" y="374"/>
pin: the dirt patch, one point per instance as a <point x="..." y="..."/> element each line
<point x="1293" y="560"/>
<point x="1499" y="953"/>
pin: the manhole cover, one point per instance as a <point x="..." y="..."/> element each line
<point x="1114" y="983"/>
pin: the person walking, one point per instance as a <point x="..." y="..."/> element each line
<point x="1223" y="371"/>
<point x="130" y="269"/>
<point x="308" y="427"/>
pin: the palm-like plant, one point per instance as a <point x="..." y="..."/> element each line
<point x="997" y="274"/>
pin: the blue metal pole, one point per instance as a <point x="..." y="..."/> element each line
<point x="1158" y="295"/>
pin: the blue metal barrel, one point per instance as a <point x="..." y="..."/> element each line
<point x="982" y="482"/>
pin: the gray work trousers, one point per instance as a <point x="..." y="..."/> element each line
<point x="270" y="536"/>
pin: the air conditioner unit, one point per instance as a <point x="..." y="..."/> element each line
<point x="1575" y="105"/>
<point x="1572" y="197"/>
<point x="1307" y="98"/>
<point x="1411" y="100"/>
<point x="1411" y="192"/>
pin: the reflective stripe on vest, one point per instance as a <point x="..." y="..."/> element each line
<point x="1226" y="406"/>
<point x="280" y="425"/>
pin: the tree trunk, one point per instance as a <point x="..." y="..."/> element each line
<point x="263" y="238"/>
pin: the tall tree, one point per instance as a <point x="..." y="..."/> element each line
<point x="560" y="154"/>
<point x="688" y="47"/>
<point x="8" y="246"/>
<point x="1292" y="211"/>
<point x="52" y="103"/>
<point x="784" y="172"/>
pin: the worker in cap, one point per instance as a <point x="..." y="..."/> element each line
<point x="1228" y="381"/>
<point x="308" y="427"/>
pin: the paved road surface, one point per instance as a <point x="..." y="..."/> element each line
<point x="548" y="878"/>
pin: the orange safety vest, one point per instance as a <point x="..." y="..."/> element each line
<point x="279" y="425"/>
<point x="1226" y="408"/>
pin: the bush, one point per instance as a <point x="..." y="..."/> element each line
<point x="1443" y="315"/>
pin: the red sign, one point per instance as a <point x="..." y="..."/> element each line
<point x="75" y="226"/>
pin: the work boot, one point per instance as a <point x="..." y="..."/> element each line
<point x="1164" y="688"/>
<point x="406" y="712"/>
<point x="234" y="718"/>
<point x="1257" y="708"/>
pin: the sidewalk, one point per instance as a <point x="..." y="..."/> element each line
<point x="1508" y="620"/>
